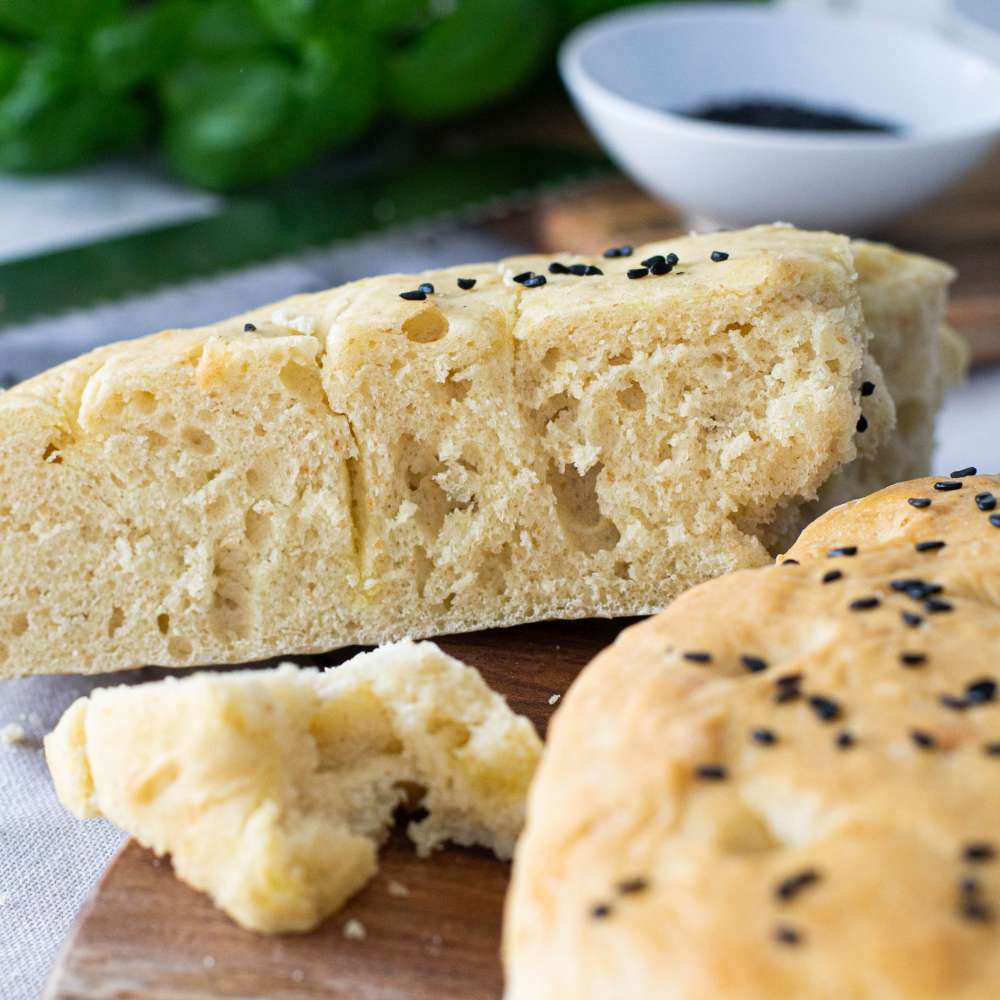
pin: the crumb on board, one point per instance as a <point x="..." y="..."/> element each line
<point x="12" y="733"/>
<point x="354" y="930"/>
<point x="397" y="889"/>
<point x="553" y="698"/>
<point x="208" y="961"/>
<point x="298" y="975"/>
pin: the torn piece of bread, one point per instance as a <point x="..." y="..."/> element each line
<point x="354" y="467"/>
<point x="793" y="778"/>
<point x="272" y="789"/>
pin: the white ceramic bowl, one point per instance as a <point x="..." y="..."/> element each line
<point x="626" y="71"/>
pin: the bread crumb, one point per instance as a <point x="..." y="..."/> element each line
<point x="298" y="975"/>
<point x="12" y="733"/>
<point x="208" y="961"/>
<point x="300" y="324"/>
<point x="553" y="698"/>
<point x="354" y="930"/>
<point x="397" y="889"/>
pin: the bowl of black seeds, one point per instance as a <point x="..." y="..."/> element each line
<point x="744" y="113"/>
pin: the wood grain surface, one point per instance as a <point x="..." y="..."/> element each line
<point x="144" y="934"/>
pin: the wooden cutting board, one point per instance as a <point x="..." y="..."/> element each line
<point x="143" y="934"/>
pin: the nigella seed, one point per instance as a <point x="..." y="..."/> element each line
<point x="657" y="258"/>
<point x="535" y="281"/>
<point x="556" y="268"/>
<point x="986" y="501"/>
<point x="995" y="520"/>
<point x="930" y="546"/>
<point x="426" y="287"/>
<point x="786" y="694"/>
<point x="660" y="267"/>
<point x="913" y="659"/>
<point x="789" y="562"/>
<point x="523" y="277"/>
<point x="786" y="935"/>
<point x="466" y="283"/>
<point x="672" y="259"/>
<point x="909" y="618"/>
<point x="592" y="270"/>
<point x="755" y="664"/>
<point x="414" y="296"/>
<point x="631" y="886"/>
<point x="955" y="704"/>
<point x="992" y="749"/>
<point x="962" y="473"/>
<point x="948" y="485"/>
<point x="969" y="885"/>
<point x="249" y="328"/>
<point x="637" y="272"/>
<point x="788" y="888"/>
<point x="864" y="604"/>
<point x="978" y="852"/>
<point x="919" y="502"/>
<point x="923" y="739"/>
<point x="935" y="606"/>
<point x="577" y="269"/>
<point x="862" y="424"/>
<point x="719" y="255"/>
<point x="697" y="656"/>
<point x="867" y="388"/>
<point x="832" y="574"/>
<point x="764" y="737"/>
<point x="845" y="740"/>
<point x="982" y="691"/>
<point x="825" y="708"/>
<point x="843" y="550"/>
<point x="600" y="910"/>
<point x="710" y="772"/>
<point x="976" y="912"/>
<point x="623" y="251"/>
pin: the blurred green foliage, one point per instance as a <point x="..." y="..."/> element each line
<point x="241" y="91"/>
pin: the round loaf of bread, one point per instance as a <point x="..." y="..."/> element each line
<point x="788" y="783"/>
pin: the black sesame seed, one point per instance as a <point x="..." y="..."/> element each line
<point x="995" y="520"/>
<point x="672" y="259"/>
<point x="845" y="740"/>
<point x="556" y="268"/>
<point x="414" y="296"/>
<point x="697" y="656"/>
<point x="930" y="546"/>
<point x="982" y="691"/>
<point x="936" y="606"/>
<point x="986" y="501"/>
<point x="961" y="473"/>
<point x="919" y="502"/>
<point x="789" y="562"/>
<point x="711" y="772"/>
<point x="786" y="694"/>
<point x="719" y="255"/>
<point x="789" y="680"/>
<point x="864" y="603"/>
<point x="825" y="708"/>
<point x="923" y="739"/>
<point x="843" y="550"/>
<point x="832" y="574"/>
<point x="637" y="272"/>
<point x="948" y="485"/>
<point x="755" y="664"/>
<point x="657" y="258"/>
<point x="913" y="659"/>
<point x="426" y="287"/>
<point x="578" y="269"/>
<point x="978" y="851"/>
<point x="905" y="584"/>
<point x="976" y="911"/>
<point x="630" y="886"/>
<point x="466" y="283"/>
<point x="909" y="618"/>
<point x="955" y="704"/>
<point x="592" y="270"/>
<point x="612" y="252"/>
<point x="660" y="267"/>
<point x="249" y="328"/>
<point x="992" y="749"/>
<point x="625" y="251"/>
<point x="969" y="885"/>
<point x="523" y="277"/>
<point x="600" y="910"/>
<point x="867" y="388"/>
<point x="784" y="934"/>
<point x="789" y="888"/>
<point x="535" y="281"/>
<point x="764" y="737"/>
<point x="862" y="424"/>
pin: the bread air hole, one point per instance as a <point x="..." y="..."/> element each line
<point x="426" y="326"/>
<point x="163" y="623"/>
<point x="579" y="510"/>
<point x="144" y="402"/>
<point x="257" y="527"/>
<point x="179" y="648"/>
<point x="419" y="467"/>
<point x="51" y="454"/>
<point x="116" y="621"/>
<point x="632" y="397"/>
<point x="196" y="440"/>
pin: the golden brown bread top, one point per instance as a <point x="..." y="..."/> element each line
<point x="792" y="780"/>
